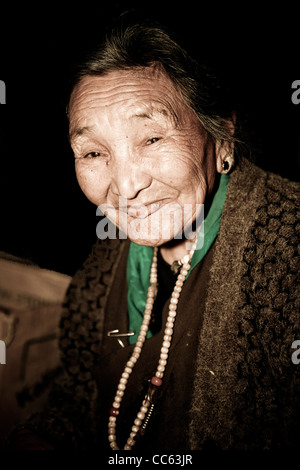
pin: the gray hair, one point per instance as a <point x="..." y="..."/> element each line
<point x="146" y="44"/>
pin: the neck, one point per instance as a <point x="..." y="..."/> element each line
<point x="175" y="250"/>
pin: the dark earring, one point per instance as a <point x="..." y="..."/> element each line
<point x="227" y="164"/>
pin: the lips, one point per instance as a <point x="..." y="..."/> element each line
<point x="139" y="211"/>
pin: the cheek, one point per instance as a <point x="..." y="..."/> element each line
<point x="92" y="183"/>
<point x="180" y="168"/>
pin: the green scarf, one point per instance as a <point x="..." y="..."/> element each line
<point x="140" y="259"/>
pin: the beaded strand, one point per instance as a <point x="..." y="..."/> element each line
<point x="146" y="409"/>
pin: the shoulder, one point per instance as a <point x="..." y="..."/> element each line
<point x="268" y="200"/>
<point x="259" y="184"/>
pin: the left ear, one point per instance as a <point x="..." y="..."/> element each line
<point x="225" y="149"/>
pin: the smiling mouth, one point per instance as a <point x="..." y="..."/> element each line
<point x="143" y="211"/>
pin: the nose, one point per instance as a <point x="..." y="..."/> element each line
<point x="128" y="179"/>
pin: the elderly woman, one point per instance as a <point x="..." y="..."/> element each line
<point x="177" y="333"/>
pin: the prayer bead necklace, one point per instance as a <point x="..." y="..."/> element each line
<point x="146" y="409"/>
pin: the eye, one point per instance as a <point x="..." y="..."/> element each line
<point x="92" y="155"/>
<point x="152" y="140"/>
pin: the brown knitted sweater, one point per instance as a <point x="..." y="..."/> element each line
<point x="251" y="318"/>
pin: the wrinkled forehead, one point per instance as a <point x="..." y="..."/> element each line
<point x="149" y="89"/>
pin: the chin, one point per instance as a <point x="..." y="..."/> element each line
<point x="146" y="239"/>
<point x="147" y="242"/>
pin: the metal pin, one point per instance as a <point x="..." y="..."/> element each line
<point x="117" y="334"/>
<point x="121" y="343"/>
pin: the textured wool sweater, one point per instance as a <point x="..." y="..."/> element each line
<point x="246" y="390"/>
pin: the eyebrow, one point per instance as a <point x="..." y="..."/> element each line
<point x="77" y="132"/>
<point x="165" y="112"/>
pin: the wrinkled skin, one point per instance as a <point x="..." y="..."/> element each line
<point x="142" y="155"/>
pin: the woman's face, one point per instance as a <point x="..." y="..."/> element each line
<point x="141" y="154"/>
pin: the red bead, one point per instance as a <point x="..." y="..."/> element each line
<point x="156" y="381"/>
<point x="113" y="411"/>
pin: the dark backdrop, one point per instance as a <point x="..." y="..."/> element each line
<point x="44" y="216"/>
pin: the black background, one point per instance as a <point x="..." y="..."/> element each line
<point x="44" y="216"/>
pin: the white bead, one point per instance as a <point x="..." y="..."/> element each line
<point x="185" y="259"/>
<point x="172" y="313"/>
<point x="164" y="352"/>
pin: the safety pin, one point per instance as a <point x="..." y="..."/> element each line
<point x="117" y="334"/>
